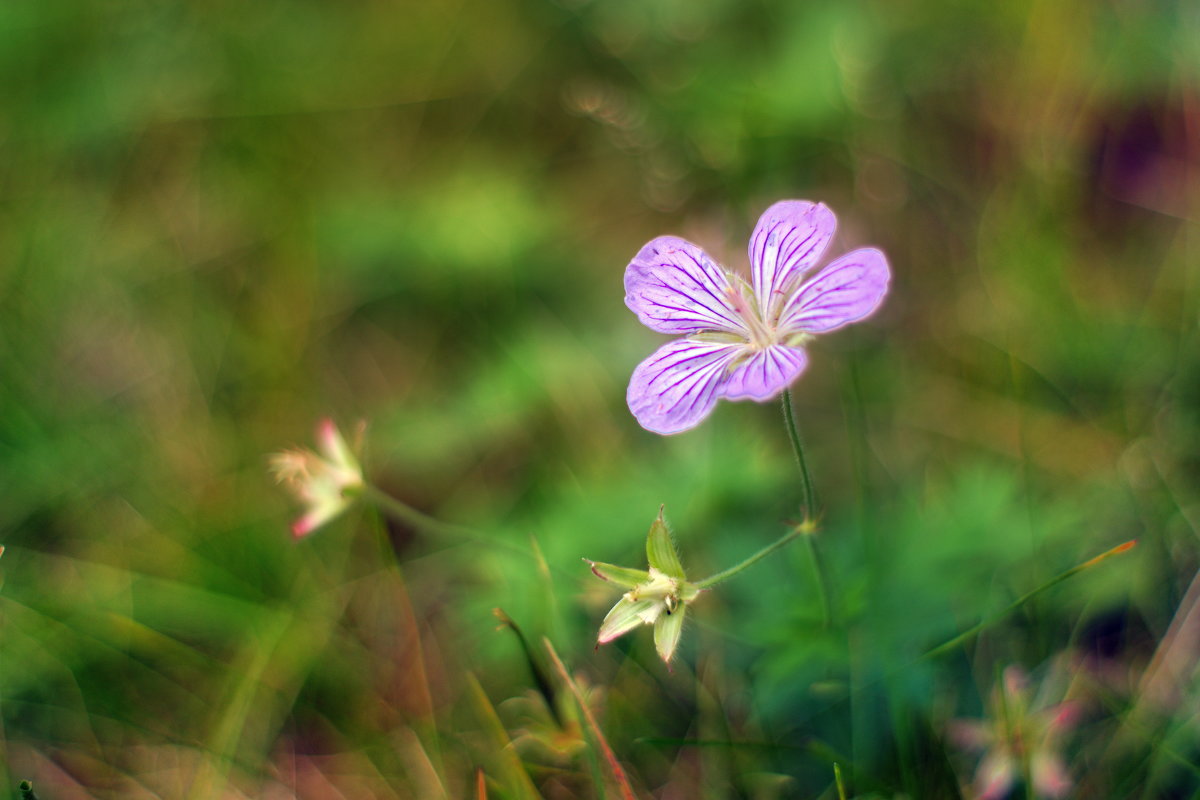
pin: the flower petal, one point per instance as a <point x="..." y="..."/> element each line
<point x="332" y="445"/>
<point x="995" y="775"/>
<point x="1061" y="718"/>
<point x="667" y="632"/>
<point x="970" y="734"/>
<point x="847" y="290"/>
<point x="1016" y="685"/>
<point x="676" y="387"/>
<point x="788" y="241"/>
<point x="316" y="516"/>
<point x="765" y="374"/>
<point x="675" y="287"/>
<point x="1050" y="777"/>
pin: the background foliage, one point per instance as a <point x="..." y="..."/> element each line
<point x="221" y="221"/>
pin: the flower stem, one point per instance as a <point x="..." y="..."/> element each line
<point x="789" y="421"/>
<point x="809" y="508"/>
<point x="819" y="576"/>
<point x="405" y="513"/>
<point x="799" y="530"/>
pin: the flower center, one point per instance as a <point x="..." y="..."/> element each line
<point x="761" y="336"/>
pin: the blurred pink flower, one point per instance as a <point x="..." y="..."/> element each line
<point x="1016" y="732"/>
<point x="327" y="483"/>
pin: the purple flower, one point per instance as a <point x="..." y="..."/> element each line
<point x="742" y="341"/>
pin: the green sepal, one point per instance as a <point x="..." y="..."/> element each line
<point x="660" y="550"/>
<point x="621" y="576"/>
<point x="667" y="631"/>
<point x="626" y="615"/>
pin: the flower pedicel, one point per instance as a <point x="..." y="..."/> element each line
<point x="742" y="341"/>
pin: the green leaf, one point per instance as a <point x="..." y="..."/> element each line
<point x="660" y="550"/>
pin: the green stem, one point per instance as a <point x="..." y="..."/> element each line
<point x="789" y="421"/>
<point x="405" y="513"/>
<point x="724" y="575"/>
<point x="810" y="506"/>
<point x="819" y="576"/>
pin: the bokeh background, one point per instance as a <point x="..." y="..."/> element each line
<point x="223" y="221"/>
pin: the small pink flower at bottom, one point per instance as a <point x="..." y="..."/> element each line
<point x="742" y="341"/>
<point x="327" y="483"/>
<point x="1014" y="732"/>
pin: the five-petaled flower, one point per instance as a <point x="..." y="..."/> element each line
<point x="657" y="596"/>
<point x="1021" y="736"/>
<point x="742" y="341"/>
<point x="327" y="483"/>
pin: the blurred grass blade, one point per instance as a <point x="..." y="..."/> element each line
<point x="512" y="771"/>
<point x="593" y="727"/>
<point x="974" y="631"/>
<point x="547" y="581"/>
<point x="419" y="765"/>
<point x="246" y="681"/>
<point x="544" y="685"/>
<point x="480" y="785"/>
<point x="1165" y="681"/>
<point x="837" y="778"/>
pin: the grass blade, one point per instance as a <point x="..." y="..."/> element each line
<point x="610" y="757"/>
<point x="510" y="767"/>
<point x="975" y="630"/>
